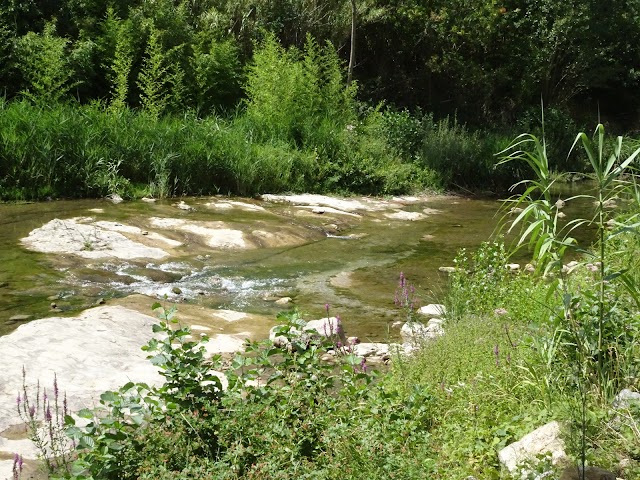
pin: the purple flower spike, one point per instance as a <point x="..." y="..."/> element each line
<point x="55" y="386"/>
<point x="47" y="414"/>
<point x="16" y="473"/>
<point x="363" y="365"/>
<point x="32" y="412"/>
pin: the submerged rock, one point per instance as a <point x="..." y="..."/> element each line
<point x="447" y="269"/>
<point x="114" y="198"/>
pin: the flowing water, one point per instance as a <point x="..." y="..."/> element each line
<point x="350" y="263"/>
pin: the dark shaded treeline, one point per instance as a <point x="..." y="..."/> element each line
<point x="485" y="61"/>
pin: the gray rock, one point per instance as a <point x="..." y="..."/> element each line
<point x="114" y="198"/>
<point x="20" y="318"/>
<point x="542" y="441"/>
<point x="626" y="398"/>
<point x="327" y="328"/>
<point x="184" y="206"/>
<point x="447" y="269"/>
<point x="433" y="310"/>
<point x="367" y="350"/>
<point x="96" y="351"/>
<point x="415" y="332"/>
<point x="280" y="340"/>
<point x="283" y="300"/>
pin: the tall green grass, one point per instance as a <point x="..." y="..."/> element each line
<point x="77" y="151"/>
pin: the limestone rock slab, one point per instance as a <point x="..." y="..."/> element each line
<point x="542" y="441"/>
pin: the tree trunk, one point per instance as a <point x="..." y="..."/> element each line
<point x="352" y="54"/>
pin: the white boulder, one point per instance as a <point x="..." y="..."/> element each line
<point x="436" y="310"/>
<point x="542" y="441"/>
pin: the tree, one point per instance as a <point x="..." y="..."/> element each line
<point x="44" y="65"/>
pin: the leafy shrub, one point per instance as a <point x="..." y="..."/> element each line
<point x="285" y="413"/>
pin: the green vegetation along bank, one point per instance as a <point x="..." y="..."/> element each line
<point x="174" y="98"/>
<point x="557" y="341"/>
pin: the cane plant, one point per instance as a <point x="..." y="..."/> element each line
<point x="595" y="330"/>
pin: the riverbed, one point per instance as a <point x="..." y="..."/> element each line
<point x="298" y="248"/>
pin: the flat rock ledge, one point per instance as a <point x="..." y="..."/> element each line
<point x="95" y="351"/>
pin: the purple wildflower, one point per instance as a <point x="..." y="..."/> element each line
<point x="363" y="365"/>
<point x="32" y="412"/>
<point x="17" y="466"/>
<point x="47" y="413"/>
<point x="55" y="386"/>
<point x="496" y="352"/>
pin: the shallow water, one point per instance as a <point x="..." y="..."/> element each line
<point x="353" y="265"/>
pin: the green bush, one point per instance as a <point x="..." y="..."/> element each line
<point x="285" y="414"/>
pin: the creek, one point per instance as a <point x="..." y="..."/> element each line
<point x="350" y="260"/>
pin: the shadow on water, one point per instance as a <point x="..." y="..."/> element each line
<point x="354" y="270"/>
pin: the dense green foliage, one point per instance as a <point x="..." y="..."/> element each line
<point x="77" y="151"/>
<point x="487" y="61"/>
<point x="271" y="78"/>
